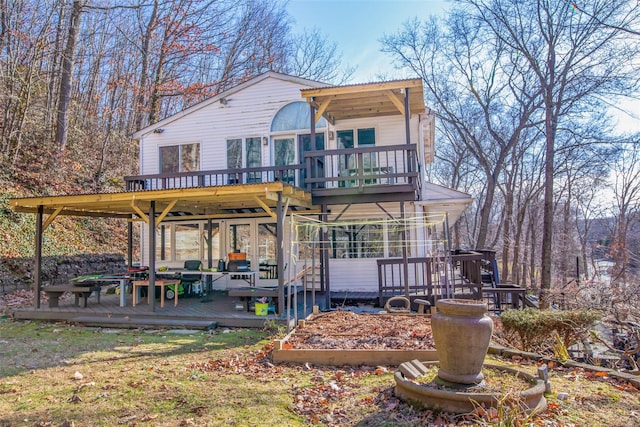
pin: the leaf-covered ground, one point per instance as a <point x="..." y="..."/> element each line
<point x="59" y="374"/>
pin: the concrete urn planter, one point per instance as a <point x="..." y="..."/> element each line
<point x="461" y="332"/>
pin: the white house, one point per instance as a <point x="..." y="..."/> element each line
<point x="301" y="178"/>
<point x="365" y="172"/>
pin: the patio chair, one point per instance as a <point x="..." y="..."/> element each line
<point x="188" y="280"/>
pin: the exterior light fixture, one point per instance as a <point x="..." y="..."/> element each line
<point x="158" y="130"/>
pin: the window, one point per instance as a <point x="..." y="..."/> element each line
<point x="240" y="238"/>
<point x="163" y="242"/>
<point x="366" y="137"/>
<point x="180" y="158"/>
<point x="187" y="238"/>
<point x="252" y="149"/>
<point x="234" y="153"/>
<point x="284" y="153"/>
<point x="215" y="242"/>
<point x="295" y="116"/>
<point x="268" y="250"/>
<point x="348" y="163"/>
<point x="395" y="242"/>
<point x="357" y="241"/>
<point x="186" y="241"/>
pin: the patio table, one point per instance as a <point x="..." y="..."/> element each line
<point x="99" y="279"/>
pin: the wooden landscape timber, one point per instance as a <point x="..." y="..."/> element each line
<point x="283" y="352"/>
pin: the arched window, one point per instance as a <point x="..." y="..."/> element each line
<point x="294" y="116"/>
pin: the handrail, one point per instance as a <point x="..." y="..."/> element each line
<point x="356" y="168"/>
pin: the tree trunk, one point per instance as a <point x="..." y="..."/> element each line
<point x="145" y="59"/>
<point x="485" y="213"/>
<point x="506" y="233"/>
<point x="547" y="216"/>
<point x="68" y="60"/>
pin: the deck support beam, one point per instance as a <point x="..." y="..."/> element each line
<point x="51" y="217"/>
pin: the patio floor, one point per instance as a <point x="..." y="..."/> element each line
<point x="194" y="312"/>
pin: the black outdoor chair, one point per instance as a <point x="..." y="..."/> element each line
<point x="188" y="280"/>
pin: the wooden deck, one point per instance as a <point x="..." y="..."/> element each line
<point x="220" y="310"/>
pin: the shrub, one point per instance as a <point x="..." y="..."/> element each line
<point x="534" y="329"/>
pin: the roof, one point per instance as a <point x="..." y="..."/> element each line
<point x="202" y="202"/>
<point x="226" y="94"/>
<point x="437" y="198"/>
<point x="366" y="99"/>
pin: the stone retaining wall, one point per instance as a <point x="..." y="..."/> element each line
<point x="17" y="273"/>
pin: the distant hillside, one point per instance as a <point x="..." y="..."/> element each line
<point x="65" y="236"/>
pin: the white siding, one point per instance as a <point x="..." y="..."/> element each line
<point x="248" y="113"/>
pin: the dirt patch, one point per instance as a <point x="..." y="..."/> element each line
<point x="348" y="330"/>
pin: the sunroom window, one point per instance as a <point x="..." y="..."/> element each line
<point x="357" y="241"/>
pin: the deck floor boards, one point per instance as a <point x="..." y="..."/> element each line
<point x="219" y="308"/>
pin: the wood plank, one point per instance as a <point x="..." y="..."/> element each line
<point x="351" y="357"/>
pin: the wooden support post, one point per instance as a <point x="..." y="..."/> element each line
<point x="130" y="244"/>
<point x="151" y="296"/>
<point x="209" y="244"/>
<point x="324" y="259"/>
<point x="405" y="257"/>
<point x="37" y="267"/>
<point x="280" y="254"/>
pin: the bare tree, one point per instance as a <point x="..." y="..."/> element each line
<point x="477" y="88"/>
<point x="68" y="59"/>
<point x="626" y="190"/>
<point x="313" y="57"/>
<point x="575" y="59"/>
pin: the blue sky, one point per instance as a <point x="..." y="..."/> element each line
<point x="357" y="25"/>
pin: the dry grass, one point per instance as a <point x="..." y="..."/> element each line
<point x="56" y="374"/>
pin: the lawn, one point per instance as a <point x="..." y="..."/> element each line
<point x="58" y="374"/>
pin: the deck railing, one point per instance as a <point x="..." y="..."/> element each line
<point x="357" y="167"/>
<point x="290" y="174"/>
<point x="432" y="277"/>
<point x="323" y="169"/>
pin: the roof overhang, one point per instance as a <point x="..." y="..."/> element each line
<point x="366" y="100"/>
<point x="438" y="199"/>
<point x="186" y="203"/>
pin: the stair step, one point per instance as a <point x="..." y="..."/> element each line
<point x="134" y="322"/>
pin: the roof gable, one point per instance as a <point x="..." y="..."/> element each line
<point x="226" y="94"/>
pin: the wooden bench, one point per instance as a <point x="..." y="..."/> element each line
<point x="54" y="293"/>
<point x="247" y="293"/>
